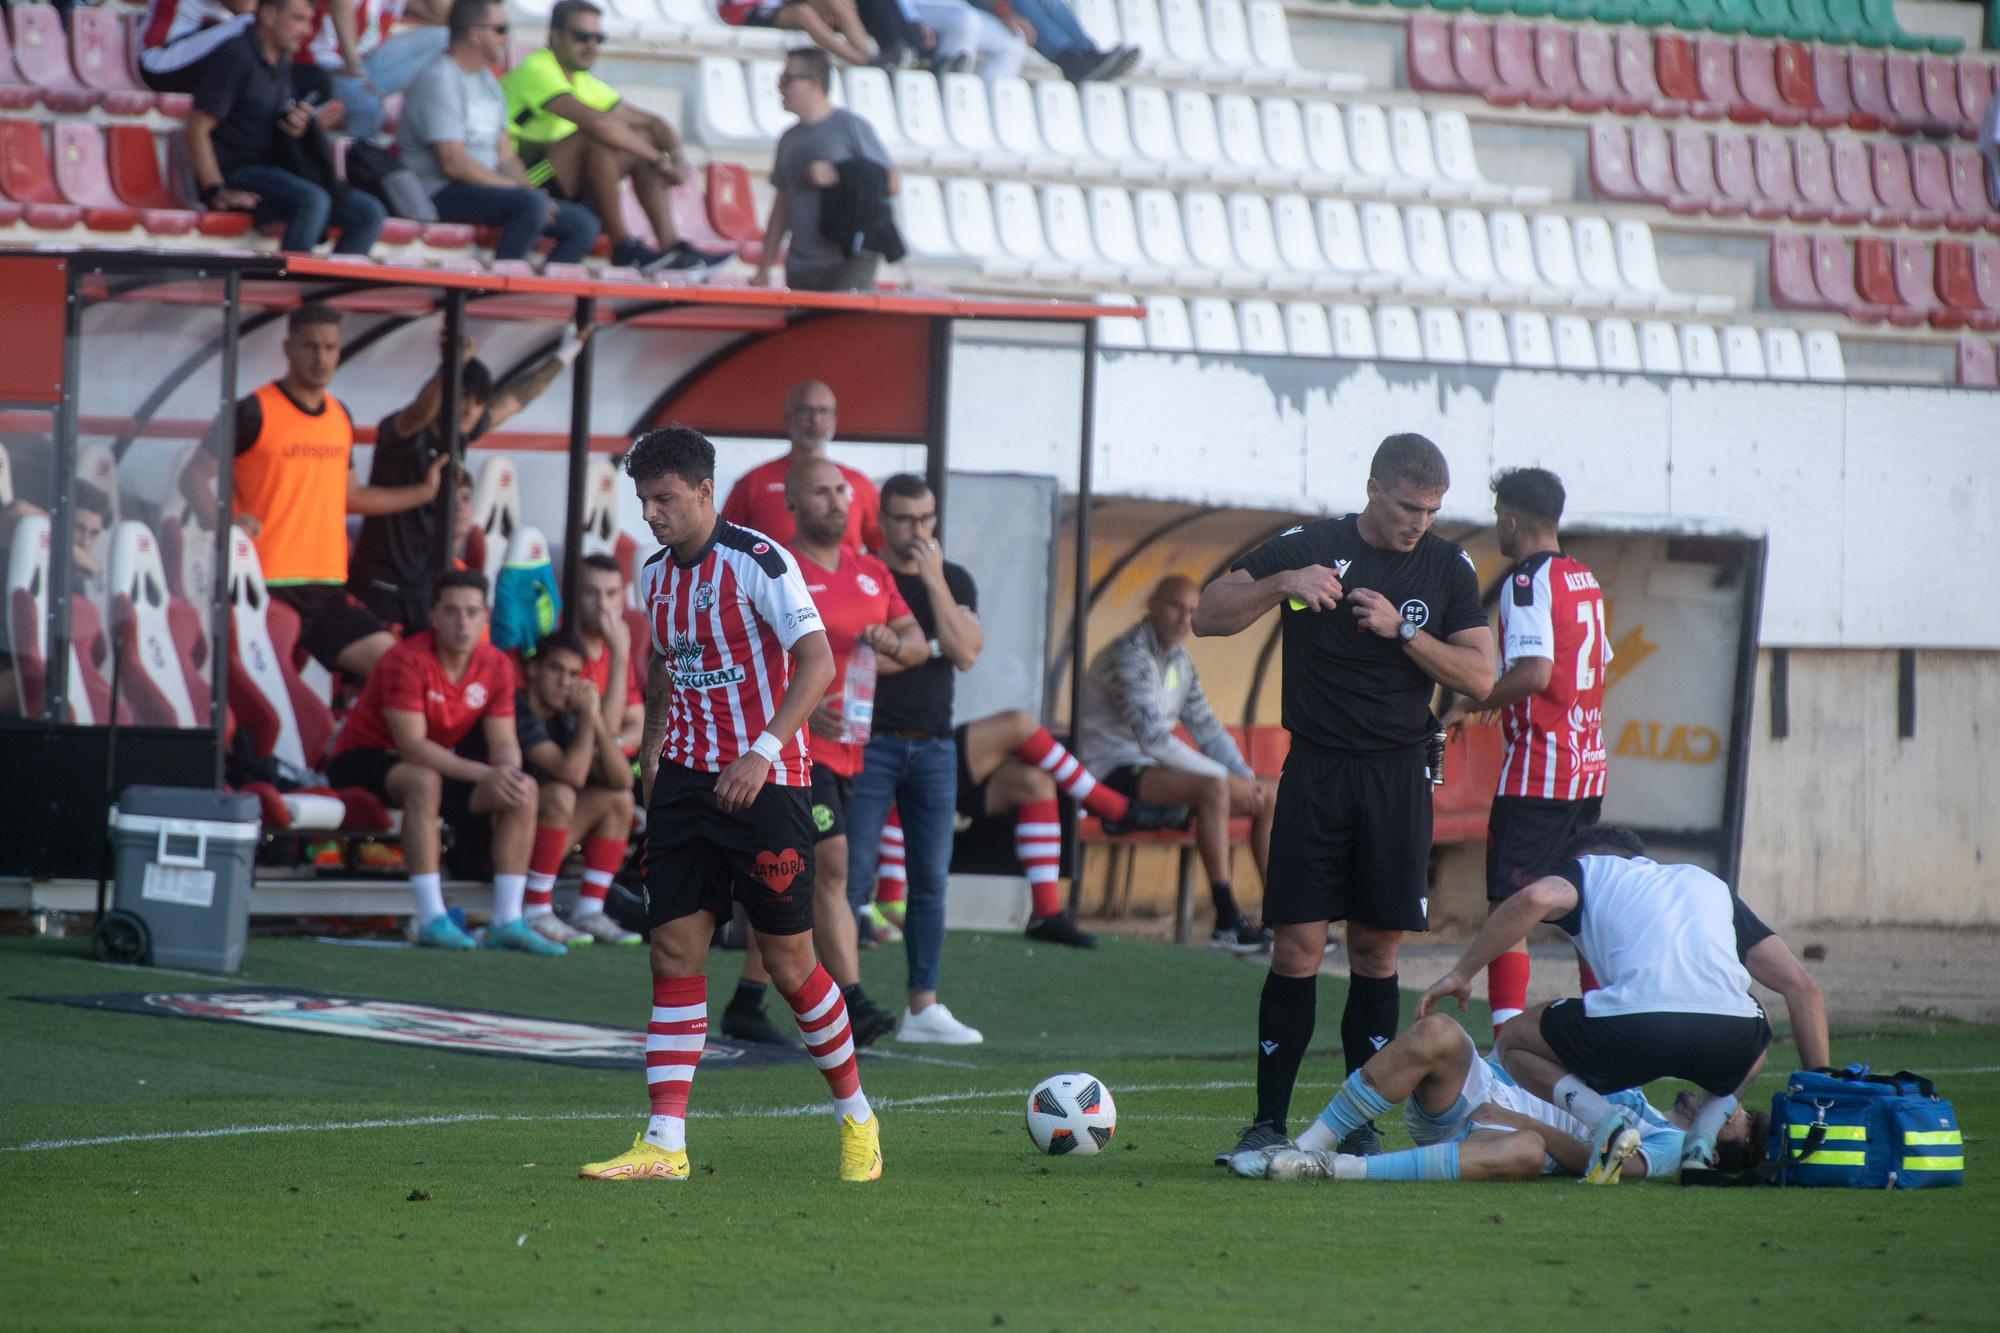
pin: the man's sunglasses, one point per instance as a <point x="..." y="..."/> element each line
<point x="586" y="38"/>
<point x="498" y="29"/>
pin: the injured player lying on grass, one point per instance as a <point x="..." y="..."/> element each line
<point x="1472" y="1122"/>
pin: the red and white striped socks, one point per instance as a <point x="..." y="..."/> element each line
<point x="545" y="859"/>
<point x="674" y="1038"/>
<point x="822" y="1019"/>
<point x="1507" y="986"/>
<point x="892" y="882"/>
<point x="1038" y="845"/>
<point x="1047" y="753"/>
<point x="601" y="859"/>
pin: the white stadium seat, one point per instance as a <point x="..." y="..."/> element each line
<point x="1066" y="224"/>
<point x="1326" y="142"/>
<point x="1139" y="25"/>
<point x="1617" y="346"/>
<point x="1389" y="254"/>
<point x="1555" y="257"/>
<point x="1164" y="242"/>
<point x="1255" y="241"/>
<point x="1659" y="348"/>
<point x="1597" y="263"/>
<point x="1451" y="142"/>
<point x="1201" y="142"/>
<point x="1060" y="115"/>
<point x="968" y="205"/>
<point x="496" y="509"/>
<point x="1340" y="241"/>
<point x="1012" y="106"/>
<point x="1701" y="350"/>
<point x="1576" y="345"/>
<point x="1106" y="128"/>
<point x="1116" y="234"/>
<point x="767" y="104"/>
<point x="1121" y="334"/>
<point x="1486" y="338"/>
<point x="1167" y="327"/>
<point x="1100" y="21"/>
<point x="1784" y="354"/>
<point x="921" y="114"/>
<point x="723" y="116"/>
<point x="1368" y="148"/>
<point x="1242" y="146"/>
<point x="871" y="97"/>
<point x="1353" y="332"/>
<point x="1641" y="267"/>
<point x="1430" y="253"/>
<point x="920" y="204"/>
<point x="1742" y="353"/>
<point x="1298" y="245"/>
<point x="1271" y="44"/>
<point x="1397" y="337"/>
<point x="1205" y="223"/>
<point x="1214" y="321"/>
<point x="1261" y="327"/>
<point x="1514" y="261"/>
<point x="1410" y="143"/>
<point x="1472" y="255"/>
<point x="1017" y="220"/>
<point x="1185" y="33"/>
<point x="1443" y="336"/>
<point x="1528" y="339"/>
<point x="969" y="121"/>
<point x="1149" y="116"/>
<point x="1285" y="144"/>
<point x="1823" y="358"/>
<point x="1306" y="329"/>
<point x="1229" y="42"/>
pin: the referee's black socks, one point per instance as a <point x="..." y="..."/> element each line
<point x="1369" y="1021"/>
<point x="1284" y="1030"/>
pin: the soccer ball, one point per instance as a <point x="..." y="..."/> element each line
<point x="1071" y="1115"/>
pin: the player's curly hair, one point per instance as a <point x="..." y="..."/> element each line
<point x="681" y="450"/>
<point x="1534" y="491"/>
<point x="1745" y="1154"/>
<point x="458" y="578"/>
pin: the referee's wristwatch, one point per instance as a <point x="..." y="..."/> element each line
<point x="1406" y="631"/>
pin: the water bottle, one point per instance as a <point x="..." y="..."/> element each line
<point x="857" y="695"/>
<point x="1434" y="755"/>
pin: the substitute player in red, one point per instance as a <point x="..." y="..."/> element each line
<point x="1555" y="644"/>
<point x="859" y="605"/>
<point x="739" y="661"/>
<point x="757" y="500"/>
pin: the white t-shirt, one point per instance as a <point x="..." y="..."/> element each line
<point x="1660" y="938"/>
<point x="446" y="104"/>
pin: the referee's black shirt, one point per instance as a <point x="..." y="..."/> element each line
<point x="1347" y="690"/>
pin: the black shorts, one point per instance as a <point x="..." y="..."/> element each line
<point x="830" y="794"/>
<point x="1124" y="779"/>
<point x="1525" y="836"/>
<point x="971" y="794"/>
<point x="1715" y="1052"/>
<point x="1351" y="841"/>
<point x="700" y="858"/>
<point x="369" y="770"/>
<point x="393" y="604"/>
<point x="330" y="619"/>
<point x="532" y="155"/>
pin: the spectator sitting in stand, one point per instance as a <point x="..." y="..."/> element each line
<point x="804" y="168"/>
<point x="951" y="36"/>
<point x="453" y="134"/>
<point x="579" y="139"/>
<point x="176" y="36"/>
<point x="1051" y="27"/>
<point x="365" y="65"/>
<point x="248" y="141"/>
<point x="833" y="25"/>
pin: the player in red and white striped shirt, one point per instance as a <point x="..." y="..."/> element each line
<point x="739" y="661"/>
<point x="1554" y="647"/>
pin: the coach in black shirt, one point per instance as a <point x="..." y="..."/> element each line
<point x="1377" y="613"/>
<point x="395" y="556"/>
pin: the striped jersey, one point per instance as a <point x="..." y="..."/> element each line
<point x="724" y="622"/>
<point x="1551" y="607"/>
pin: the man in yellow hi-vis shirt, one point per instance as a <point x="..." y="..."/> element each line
<point x="579" y="139"/>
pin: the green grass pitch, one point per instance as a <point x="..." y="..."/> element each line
<point x="476" y="1220"/>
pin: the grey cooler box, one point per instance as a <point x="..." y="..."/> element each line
<point x="185" y="861"/>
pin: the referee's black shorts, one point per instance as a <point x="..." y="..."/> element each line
<point x="1525" y="836"/>
<point x="1715" y="1052"/>
<point x="1351" y="841"/>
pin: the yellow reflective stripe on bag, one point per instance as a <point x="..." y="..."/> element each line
<point x="1933" y="1163"/>
<point x="1834" y="1159"/>
<point x="1926" y="1137"/>
<point x="1848" y="1132"/>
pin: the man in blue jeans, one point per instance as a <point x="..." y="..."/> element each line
<point x="911" y="761"/>
<point x="247" y="133"/>
<point x="453" y="135"/>
<point x="367" y="63"/>
<point x="1051" y="27"/>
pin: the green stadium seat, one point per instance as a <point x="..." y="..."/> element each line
<point x="1573" y="10"/>
<point x="1873" y="24"/>
<point x="1731" y="17"/>
<point x="1656" y="13"/>
<point x="1492" y="6"/>
<point x="1697" y="16"/>
<point x="1881" y="16"/>
<point x="1770" y="18"/>
<point x="1840" y="20"/>
<point x="1613" y="11"/>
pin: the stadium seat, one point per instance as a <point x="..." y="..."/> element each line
<point x="1638" y="76"/>
<point x="1012" y="120"/>
<point x="1653" y="168"/>
<point x="1659" y="348"/>
<point x="1115" y="233"/>
<point x="1373" y="157"/>
<point x="1451" y="142"/>
<point x="1285" y="144"/>
<point x="1694" y="172"/>
<point x="1298" y="245"/>
<point x="1213" y="321"/>
<point x="968" y="207"/>
<point x="1889" y="168"/>
<point x="1784" y="354"/>
<point x="41" y="54"/>
<point x="1853" y="186"/>
<point x="1472" y="59"/>
<point x="1513" y="252"/>
<point x="1326" y="148"/>
<point x="1397" y="335"/>
<point x="1429" y="249"/>
<point x="732" y="206"/>
<point x="1597" y="264"/>
<point x="1575" y="342"/>
<point x="1471" y="251"/>
<point x="1931" y="187"/>
<point x="1833" y="276"/>
<point x="496" y="509"/>
<point x="1428" y="58"/>
<point x="1877" y="280"/>
<point x="1757" y="86"/>
<point x="1701" y="72"/>
<point x="1517" y="80"/>
<point x="1812" y="171"/>
<point x="1149" y="120"/>
<point x="921" y="218"/>
<point x="26" y="180"/>
<point x="1205" y="223"/>
<point x="1229" y="42"/>
<point x="1307" y="332"/>
<point x="1389" y="253"/>
<point x="723" y="115"/>
<point x="920" y="115"/>
<point x="767" y="103"/>
<point x="1555" y="256"/>
<point x="1120" y="334"/>
<point x="1194" y="126"/>
<point x="1353" y="332"/>
<point x="1340" y="240"/>
<point x="1066" y="226"/>
<point x="1610" y="164"/>
<point x="1742" y="353"/>
<point x="1556" y="72"/>
<point x="1167" y="326"/>
<point x="872" y="96"/>
<point x="1240" y="144"/>
<point x="1701" y="350"/>
<point x="1975" y="91"/>
<point x="1976" y="369"/>
<point x="283" y="717"/>
<point x="1775" y="181"/>
<point x="1529" y="342"/>
<point x="26" y="612"/>
<point x="1059" y="112"/>
<point x="1793" y="286"/>
<point x="1831" y="86"/>
<point x="1271" y="45"/>
<point x="1442" y="335"/>
<point x="1164" y="242"/>
<point x="1968" y="187"/>
<point x="1823" y="357"/>
<point x="156" y="634"/>
<point x="1486" y="338"/>
<point x="1260" y="328"/>
<point x="1110" y="137"/>
<point x="1184" y="33"/>
<point x="1867" y="89"/>
<point x="1617" y="346"/>
<point x="97" y="51"/>
<point x="1736" y="177"/>
<point x="83" y="176"/>
<point x="1905" y="88"/>
<point x="1986" y="273"/>
<point x="1640" y="263"/>
<point x="1916" y="286"/>
<point x="1017" y="225"/>
<point x="1139" y="25"/>
<point x="1409" y="139"/>
<point x="1255" y="242"/>
<point x="1797" y="86"/>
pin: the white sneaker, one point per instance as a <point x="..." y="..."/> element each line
<point x="936" y="1026"/>
<point x="603" y="929"/>
<point x="557" y="931"/>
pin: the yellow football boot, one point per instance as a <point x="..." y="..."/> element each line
<point x="861" y="1148"/>
<point x="643" y="1161"/>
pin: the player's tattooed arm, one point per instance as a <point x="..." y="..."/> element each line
<point x="659" y="702"/>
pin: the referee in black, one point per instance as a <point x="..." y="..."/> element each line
<point x="1377" y="613"/>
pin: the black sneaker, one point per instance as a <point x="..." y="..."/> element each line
<point x="1256" y="1138"/>
<point x="1057" y="928"/>
<point x="1362" y="1141"/>
<point x="1128" y="56"/>
<point x="869" y="1021"/>
<point x="684" y="259"/>
<point x="1110" y="64"/>
<point x="1241" y="938"/>
<point x="635" y="253"/>
<point x="626" y="908"/>
<point x="742" y="1022"/>
<point x="1147" y="817"/>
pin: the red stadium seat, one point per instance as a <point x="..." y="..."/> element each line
<point x="1611" y="163"/>
<point x="1836" y="102"/>
<point x="1833" y="274"/>
<point x="84" y="177"/>
<point x="1757" y="80"/>
<point x="1678" y="79"/>
<point x="1867" y="87"/>
<point x="1930" y="185"/>
<point x="1798" y="85"/>
<point x="1852" y="183"/>
<point x="1514" y="65"/>
<point x="1905" y="91"/>
<point x="732" y="208"/>
<point x="1889" y="165"/>
<point x="1777" y="185"/>
<point x="1638" y="76"/>
<point x="1793" y="286"/>
<point x="1938" y="79"/>
<point x="1694" y="169"/>
<point x="1428" y="44"/>
<point x="1812" y="166"/>
<point x="1715" y="76"/>
<point x="1975" y="364"/>
<point x="26" y="180"/>
<point x="133" y="162"/>
<point x="41" y="53"/>
<point x="1956" y="288"/>
<point x="97" y="51"/>
<point x="1736" y="179"/>
<point x="1975" y="89"/>
<point x="1653" y="168"/>
<point x="1875" y="280"/>
<point x="1968" y="186"/>
<point x="448" y="235"/>
<point x="16" y="93"/>
<point x="1472" y="57"/>
<point x="1986" y="274"/>
<point x="1555" y="67"/>
<point x="1597" y="85"/>
<point x="1912" y="266"/>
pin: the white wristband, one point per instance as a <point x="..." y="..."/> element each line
<point x="767" y="746"/>
<point x="568" y="352"/>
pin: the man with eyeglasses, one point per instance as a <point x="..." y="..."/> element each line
<point x="453" y="135"/>
<point x="579" y="140"/>
<point x="757" y="500"/>
<point x="807" y="166"/>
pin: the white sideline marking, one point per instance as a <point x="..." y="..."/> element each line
<point x="482" y="1117"/>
